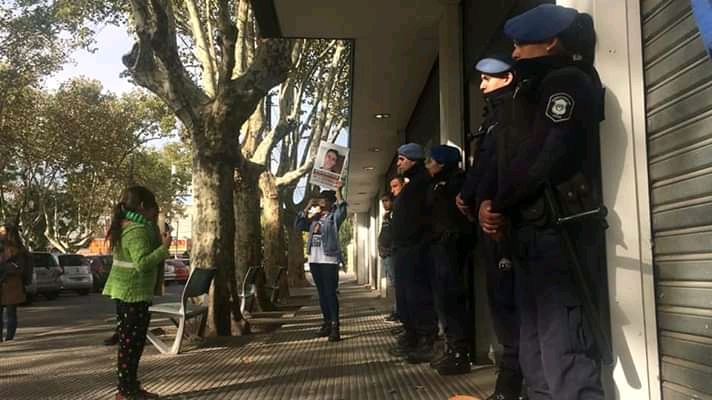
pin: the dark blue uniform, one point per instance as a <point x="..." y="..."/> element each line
<point x="500" y="282"/>
<point x="556" y="115"/>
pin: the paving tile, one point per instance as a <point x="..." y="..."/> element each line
<point x="67" y="360"/>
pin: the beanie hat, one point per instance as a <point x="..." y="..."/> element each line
<point x="444" y="154"/>
<point x="412" y="151"/>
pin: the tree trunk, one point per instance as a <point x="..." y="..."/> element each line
<point x="295" y="253"/>
<point x="248" y="243"/>
<point x="275" y="254"/>
<point x="213" y="233"/>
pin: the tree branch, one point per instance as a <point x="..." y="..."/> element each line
<point x="269" y="68"/>
<point x="154" y="61"/>
<point x="228" y="35"/>
<point x="202" y="47"/>
<point x="241" y="11"/>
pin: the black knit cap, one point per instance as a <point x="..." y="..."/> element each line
<point x="329" y="195"/>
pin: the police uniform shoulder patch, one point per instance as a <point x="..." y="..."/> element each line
<point x="560" y="107"/>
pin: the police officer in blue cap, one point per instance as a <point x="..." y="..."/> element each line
<point x="553" y="173"/>
<point x="497" y="85"/>
<point x="448" y="241"/>
<point x="410" y="224"/>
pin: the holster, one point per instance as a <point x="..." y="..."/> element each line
<point x="573" y="196"/>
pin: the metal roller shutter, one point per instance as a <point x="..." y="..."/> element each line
<point x="678" y="85"/>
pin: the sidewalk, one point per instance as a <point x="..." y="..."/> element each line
<point x="283" y="361"/>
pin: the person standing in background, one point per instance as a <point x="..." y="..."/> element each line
<point x="15" y="273"/>
<point x="385" y="250"/>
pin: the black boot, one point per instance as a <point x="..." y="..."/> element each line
<point x="455" y="363"/>
<point x="423" y="351"/>
<point x="502" y="396"/>
<point x="334" y="335"/>
<point x="435" y="362"/>
<point x="405" y="343"/>
<point x="508" y="385"/>
<point x="325" y="329"/>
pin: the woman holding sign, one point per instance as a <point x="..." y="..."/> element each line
<point x="322" y="218"/>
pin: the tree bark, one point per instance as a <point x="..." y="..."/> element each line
<point x="295" y="253"/>
<point x="272" y="229"/>
<point x="213" y="231"/>
<point x="248" y="235"/>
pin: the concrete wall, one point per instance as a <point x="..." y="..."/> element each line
<point x="626" y="193"/>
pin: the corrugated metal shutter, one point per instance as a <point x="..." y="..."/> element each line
<point x="678" y="84"/>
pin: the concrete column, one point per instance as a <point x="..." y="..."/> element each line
<point x="361" y="251"/>
<point x="626" y="193"/>
<point x="450" y="74"/>
<point x="374" y="271"/>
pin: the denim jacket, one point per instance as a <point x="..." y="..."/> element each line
<point x="329" y="230"/>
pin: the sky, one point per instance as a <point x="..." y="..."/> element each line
<point x="103" y="65"/>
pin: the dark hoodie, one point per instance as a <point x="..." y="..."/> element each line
<point x="411" y="217"/>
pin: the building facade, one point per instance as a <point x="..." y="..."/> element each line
<point x="656" y="152"/>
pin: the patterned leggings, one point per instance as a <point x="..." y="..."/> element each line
<point x="133" y="321"/>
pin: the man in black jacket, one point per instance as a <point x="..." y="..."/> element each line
<point x="385" y="250"/>
<point x="449" y="239"/>
<point x="410" y="223"/>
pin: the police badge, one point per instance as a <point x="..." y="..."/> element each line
<point x="560" y="107"/>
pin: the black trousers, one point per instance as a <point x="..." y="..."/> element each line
<point x="326" y="279"/>
<point x="414" y="273"/>
<point x="502" y="299"/>
<point x="133" y="325"/>
<point x="447" y="257"/>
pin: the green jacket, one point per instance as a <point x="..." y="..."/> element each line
<point x="134" y="269"/>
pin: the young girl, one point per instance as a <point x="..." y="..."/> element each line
<point x="137" y="255"/>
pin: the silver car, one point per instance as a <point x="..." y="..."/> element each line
<point x="46" y="281"/>
<point x="76" y="274"/>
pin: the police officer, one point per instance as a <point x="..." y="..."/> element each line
<point x="410" y="223"/>
<point x="557" y="110"/>
<point x="449" y="238"/>
<point x="497" y="85"/>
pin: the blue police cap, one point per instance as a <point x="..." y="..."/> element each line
<point x="539" y="24"/>
<point x="444" y="154"/>
<point x="495" y="64"/>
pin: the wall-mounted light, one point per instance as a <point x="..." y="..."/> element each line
<point x="374" y="149"/>
<point x="382" y="116"/>
<point x="369" y="168"/>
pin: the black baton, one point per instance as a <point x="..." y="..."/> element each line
<point x="590" y="309"/>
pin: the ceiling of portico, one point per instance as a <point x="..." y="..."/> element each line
<point x="396" y="44"/>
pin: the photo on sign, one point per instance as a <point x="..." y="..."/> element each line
<point x="329" y="165"/>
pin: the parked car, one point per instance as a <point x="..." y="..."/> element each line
<point x="76" y="275"/>
<point x="100" y="267"/>
<point x="46" y="275"/>
<point x="175" y="270"/>
<point x="31" y="288"/>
